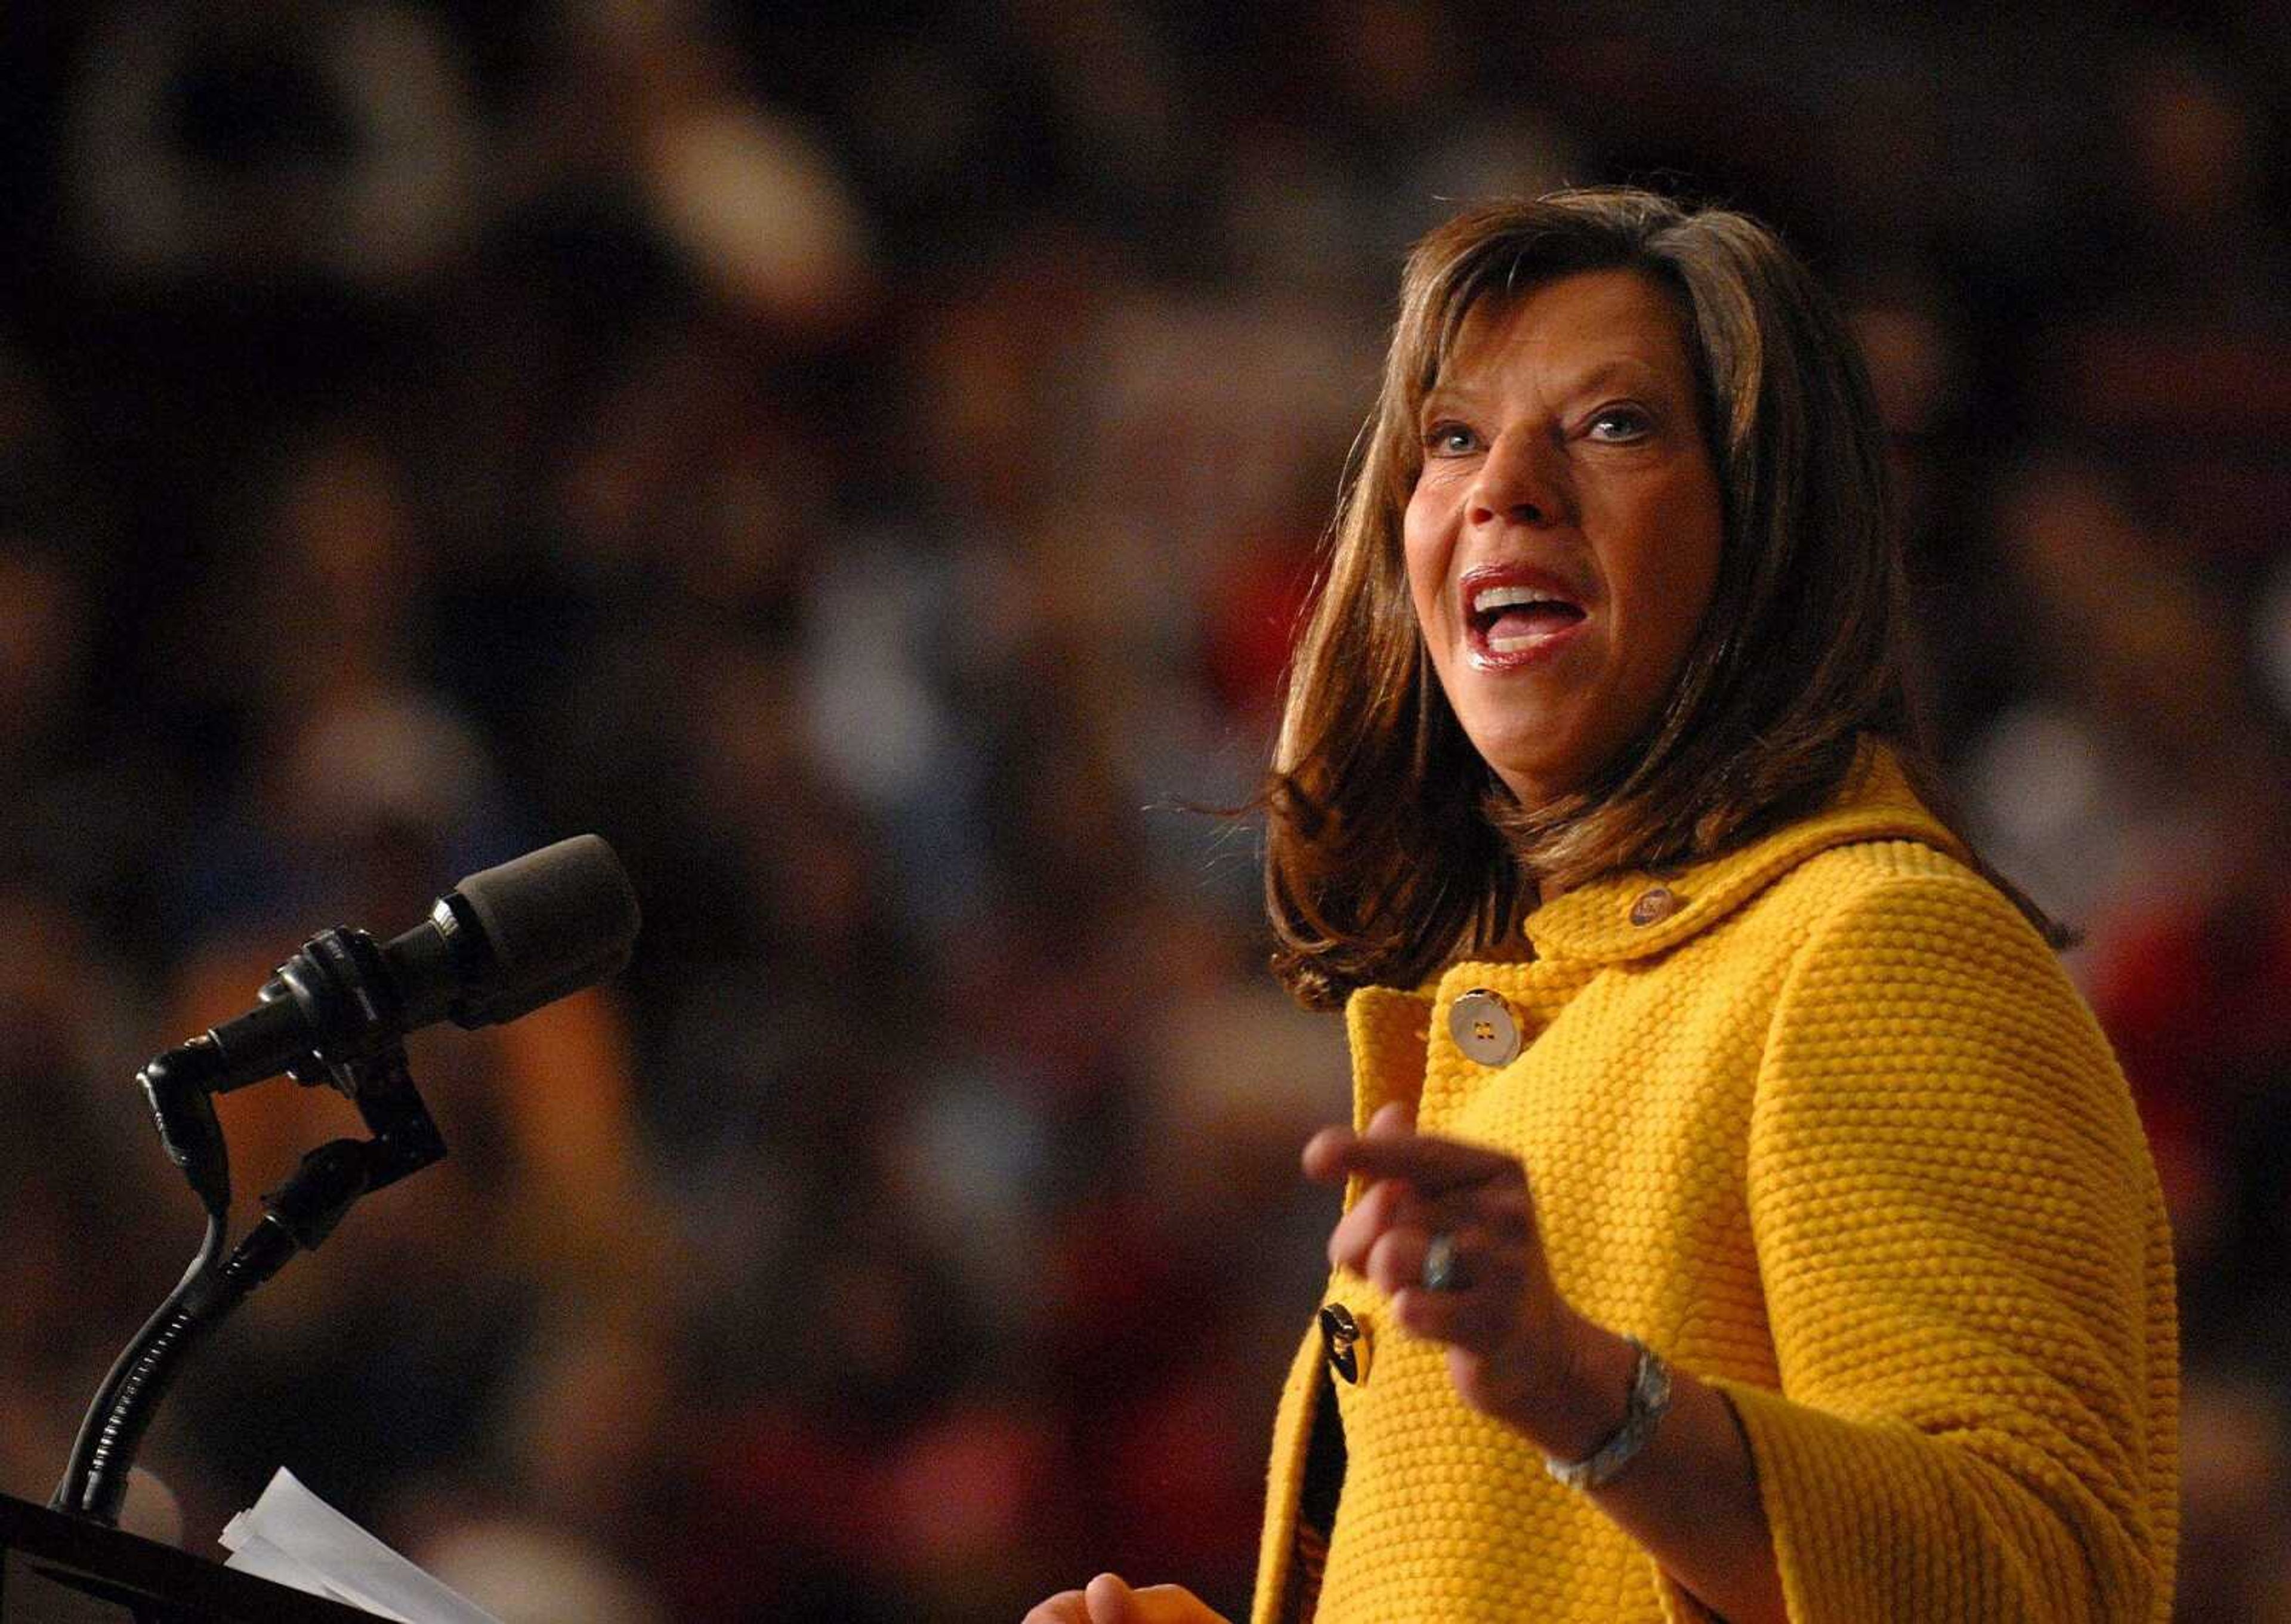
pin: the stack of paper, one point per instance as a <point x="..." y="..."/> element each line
<point x="292" y="1537"/>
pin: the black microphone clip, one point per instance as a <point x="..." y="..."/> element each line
<point x="500" y="944"/>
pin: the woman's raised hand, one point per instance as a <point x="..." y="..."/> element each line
<point x="1110" y="1601"/>
<point x="1516" y="1350"/>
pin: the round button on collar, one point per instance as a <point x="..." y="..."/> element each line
<point x="1654" y="907"/>
<point x="1485" y="1027"/>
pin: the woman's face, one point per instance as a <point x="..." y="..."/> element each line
<point x="1563" y="539"/>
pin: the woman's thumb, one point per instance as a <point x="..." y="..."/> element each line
<point x="1111" y="1601"/>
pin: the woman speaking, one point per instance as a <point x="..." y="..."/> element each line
<point x="1743" y="1215"/>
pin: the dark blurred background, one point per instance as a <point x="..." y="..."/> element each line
<point x="865" y="461"/>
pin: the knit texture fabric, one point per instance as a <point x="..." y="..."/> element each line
<point x="1828" y="1128"/>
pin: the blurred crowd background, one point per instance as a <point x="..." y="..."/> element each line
<point x="865" y="461"/>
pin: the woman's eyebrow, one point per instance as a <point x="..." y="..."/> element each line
<point x="1442" y="396"/>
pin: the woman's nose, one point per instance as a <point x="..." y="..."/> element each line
<point x="1522" y="480"/>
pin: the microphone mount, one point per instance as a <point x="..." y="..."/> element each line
<point x="339" y="987"/>
<point x="500" y="944"/>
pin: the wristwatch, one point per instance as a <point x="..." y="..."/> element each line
<point x="1649" y="1397"/>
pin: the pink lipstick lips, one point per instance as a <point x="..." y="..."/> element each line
<point x="1516" y="615"/>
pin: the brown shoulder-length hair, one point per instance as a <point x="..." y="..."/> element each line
<point x="1390" y="844"/>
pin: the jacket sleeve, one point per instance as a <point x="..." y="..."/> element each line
<point x="1968" y="1278"/>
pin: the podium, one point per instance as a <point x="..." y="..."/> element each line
<point x="56" y="1569"/>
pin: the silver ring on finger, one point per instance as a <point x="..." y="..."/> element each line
<point x="1442" y="1269"/>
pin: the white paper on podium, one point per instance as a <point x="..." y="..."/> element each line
<point x="293" y="1537"/>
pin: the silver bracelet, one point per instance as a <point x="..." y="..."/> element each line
<point x="1649" y="1397"/>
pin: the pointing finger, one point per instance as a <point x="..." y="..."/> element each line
<point x="1434" y="1166"/>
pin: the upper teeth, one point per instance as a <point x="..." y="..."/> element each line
<point x="1508" y="597"/>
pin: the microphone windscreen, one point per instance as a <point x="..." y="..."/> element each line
<point x="553" y="922"/>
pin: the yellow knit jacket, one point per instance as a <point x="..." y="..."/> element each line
<point x="1827" y="1127"/>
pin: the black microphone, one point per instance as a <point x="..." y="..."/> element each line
<point x="501" y="944"/>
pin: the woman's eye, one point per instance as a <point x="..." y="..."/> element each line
<point x="1619" y="425"/>
<point x="1448" y="440"/>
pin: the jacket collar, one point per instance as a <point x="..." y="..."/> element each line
<point x="1634" y="913"/>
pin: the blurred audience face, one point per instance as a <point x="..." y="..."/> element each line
<point x="41" y="646"/>
<point x="1563" y="539"/>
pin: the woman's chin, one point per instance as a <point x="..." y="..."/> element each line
<point x="1535" y="778"/>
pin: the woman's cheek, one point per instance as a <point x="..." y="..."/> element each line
<point x="1424" y="558"/>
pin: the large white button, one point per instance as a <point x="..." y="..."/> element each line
<point x="1483" y="1027"/>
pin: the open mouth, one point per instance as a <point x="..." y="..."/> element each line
<point x="1516" y="618"/>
